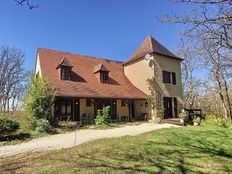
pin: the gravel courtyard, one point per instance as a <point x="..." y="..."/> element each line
<point x="77" y="137"/>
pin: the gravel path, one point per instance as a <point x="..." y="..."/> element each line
<point x="77" y="137"/>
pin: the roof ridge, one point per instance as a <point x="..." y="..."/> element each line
<point x="150" y="42"/>
<point x="92" y="57"/>
<point x="150" y="45"/>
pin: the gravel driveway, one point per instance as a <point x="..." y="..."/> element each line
<point x="77" y="137"/>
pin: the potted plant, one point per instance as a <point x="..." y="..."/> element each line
<point x="196" y="121"/>
<point x="183" y="116"/>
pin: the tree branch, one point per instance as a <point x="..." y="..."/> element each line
<point x="27" y="2"/>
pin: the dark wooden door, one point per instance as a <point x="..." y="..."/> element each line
<point x="167" y="107"/>
<point x="114" y="109"/>
<point x="175" y="107"/>
<point x="76" y="110"/>
<point x="131" y="109"/>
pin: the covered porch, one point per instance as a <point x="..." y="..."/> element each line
<point x="85" y="109"/>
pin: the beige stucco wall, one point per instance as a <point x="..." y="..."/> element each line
<point x="122" y="111"/>
<point x="138" y="73"/>
<point x="171" y="65"/>
<point x="140" y="108"/>
<point x="86" y="110"/>
<point x="37" y="66"/>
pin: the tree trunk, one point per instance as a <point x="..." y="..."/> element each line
<point x="228" y="98"/>
<point x="222" y="98"/>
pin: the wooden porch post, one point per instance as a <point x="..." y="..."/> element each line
<point x="129" y="108"/>
<point x="111" y="108"/>
<point x="95" y="108"/>
<point x="73" y="106"/>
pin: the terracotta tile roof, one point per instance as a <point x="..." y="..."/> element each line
<point x="100" y="67"/>
<point x="84" y="82"/>
<point x="150" y="45"/>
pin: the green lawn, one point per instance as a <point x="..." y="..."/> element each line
<point x="174" y="150"/>
<point x="21" y="134"/>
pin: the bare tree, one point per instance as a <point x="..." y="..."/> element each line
<point x="212" y="22"/>
<point x="28" y="3"/>
<point x="191" y="85"/>
<point x="218" y="70"/>
<point x="12" y="77"/>
<point x="209" y="29"/>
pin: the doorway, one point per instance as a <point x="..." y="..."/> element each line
<point x="101" y="103"/>
<point x="131" y="110"/>
<point x="167" y="107"/>
<point x="76" y="109"/>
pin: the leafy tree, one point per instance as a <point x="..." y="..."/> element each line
<point x="39" y="99"/>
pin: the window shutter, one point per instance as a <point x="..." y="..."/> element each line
<point x="174" y="78"/>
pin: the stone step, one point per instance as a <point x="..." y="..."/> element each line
<point x="175" y="121"/>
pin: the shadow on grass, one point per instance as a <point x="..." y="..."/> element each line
<point x="13" y="137"/>
<point x="13" y="168"/>
<point x="163" y="151"/>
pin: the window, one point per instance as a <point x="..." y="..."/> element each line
<point x="65" y="73"/>
<point x="66" y="107"/>
<point x="88" y="102"/>
<point x="123" y="103"/>
<point x="166" y="77"/>
<point x="104" y="77"/>
<point x="169" y="77"/>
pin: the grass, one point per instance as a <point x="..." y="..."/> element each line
<point x="174" y="150"/>
<point x="112" y="125"/>
<point x="24" y="133"/>
<point x="21" y="134"/>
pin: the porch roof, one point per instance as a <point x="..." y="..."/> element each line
<point x="84" y="82"/>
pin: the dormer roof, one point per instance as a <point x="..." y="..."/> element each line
<point x="100" y="67"/>
<point x="150" y="45"/>
<point x="64" y="62"/>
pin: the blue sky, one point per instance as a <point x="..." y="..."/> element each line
<point x="110" y="29"/>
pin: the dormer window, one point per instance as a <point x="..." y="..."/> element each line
<point x="102" y="73"/>
<point x="65" y="73"/>
<point x="104" y="77"/>
<point x="65" y="69"/>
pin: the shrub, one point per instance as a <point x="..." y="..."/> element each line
<point x="39" y="125"/>
<point x="64" y="126"/>
<point x="197" y="120"/>
<point x="43" y="125"/>
<point x="31" y="121"/>
<point x="217" y="121"/>
<point x="39" y="99"/>
<point x="183" y="115"/>
<point x="8" y="126"/>
<point x="102" y="116"/>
